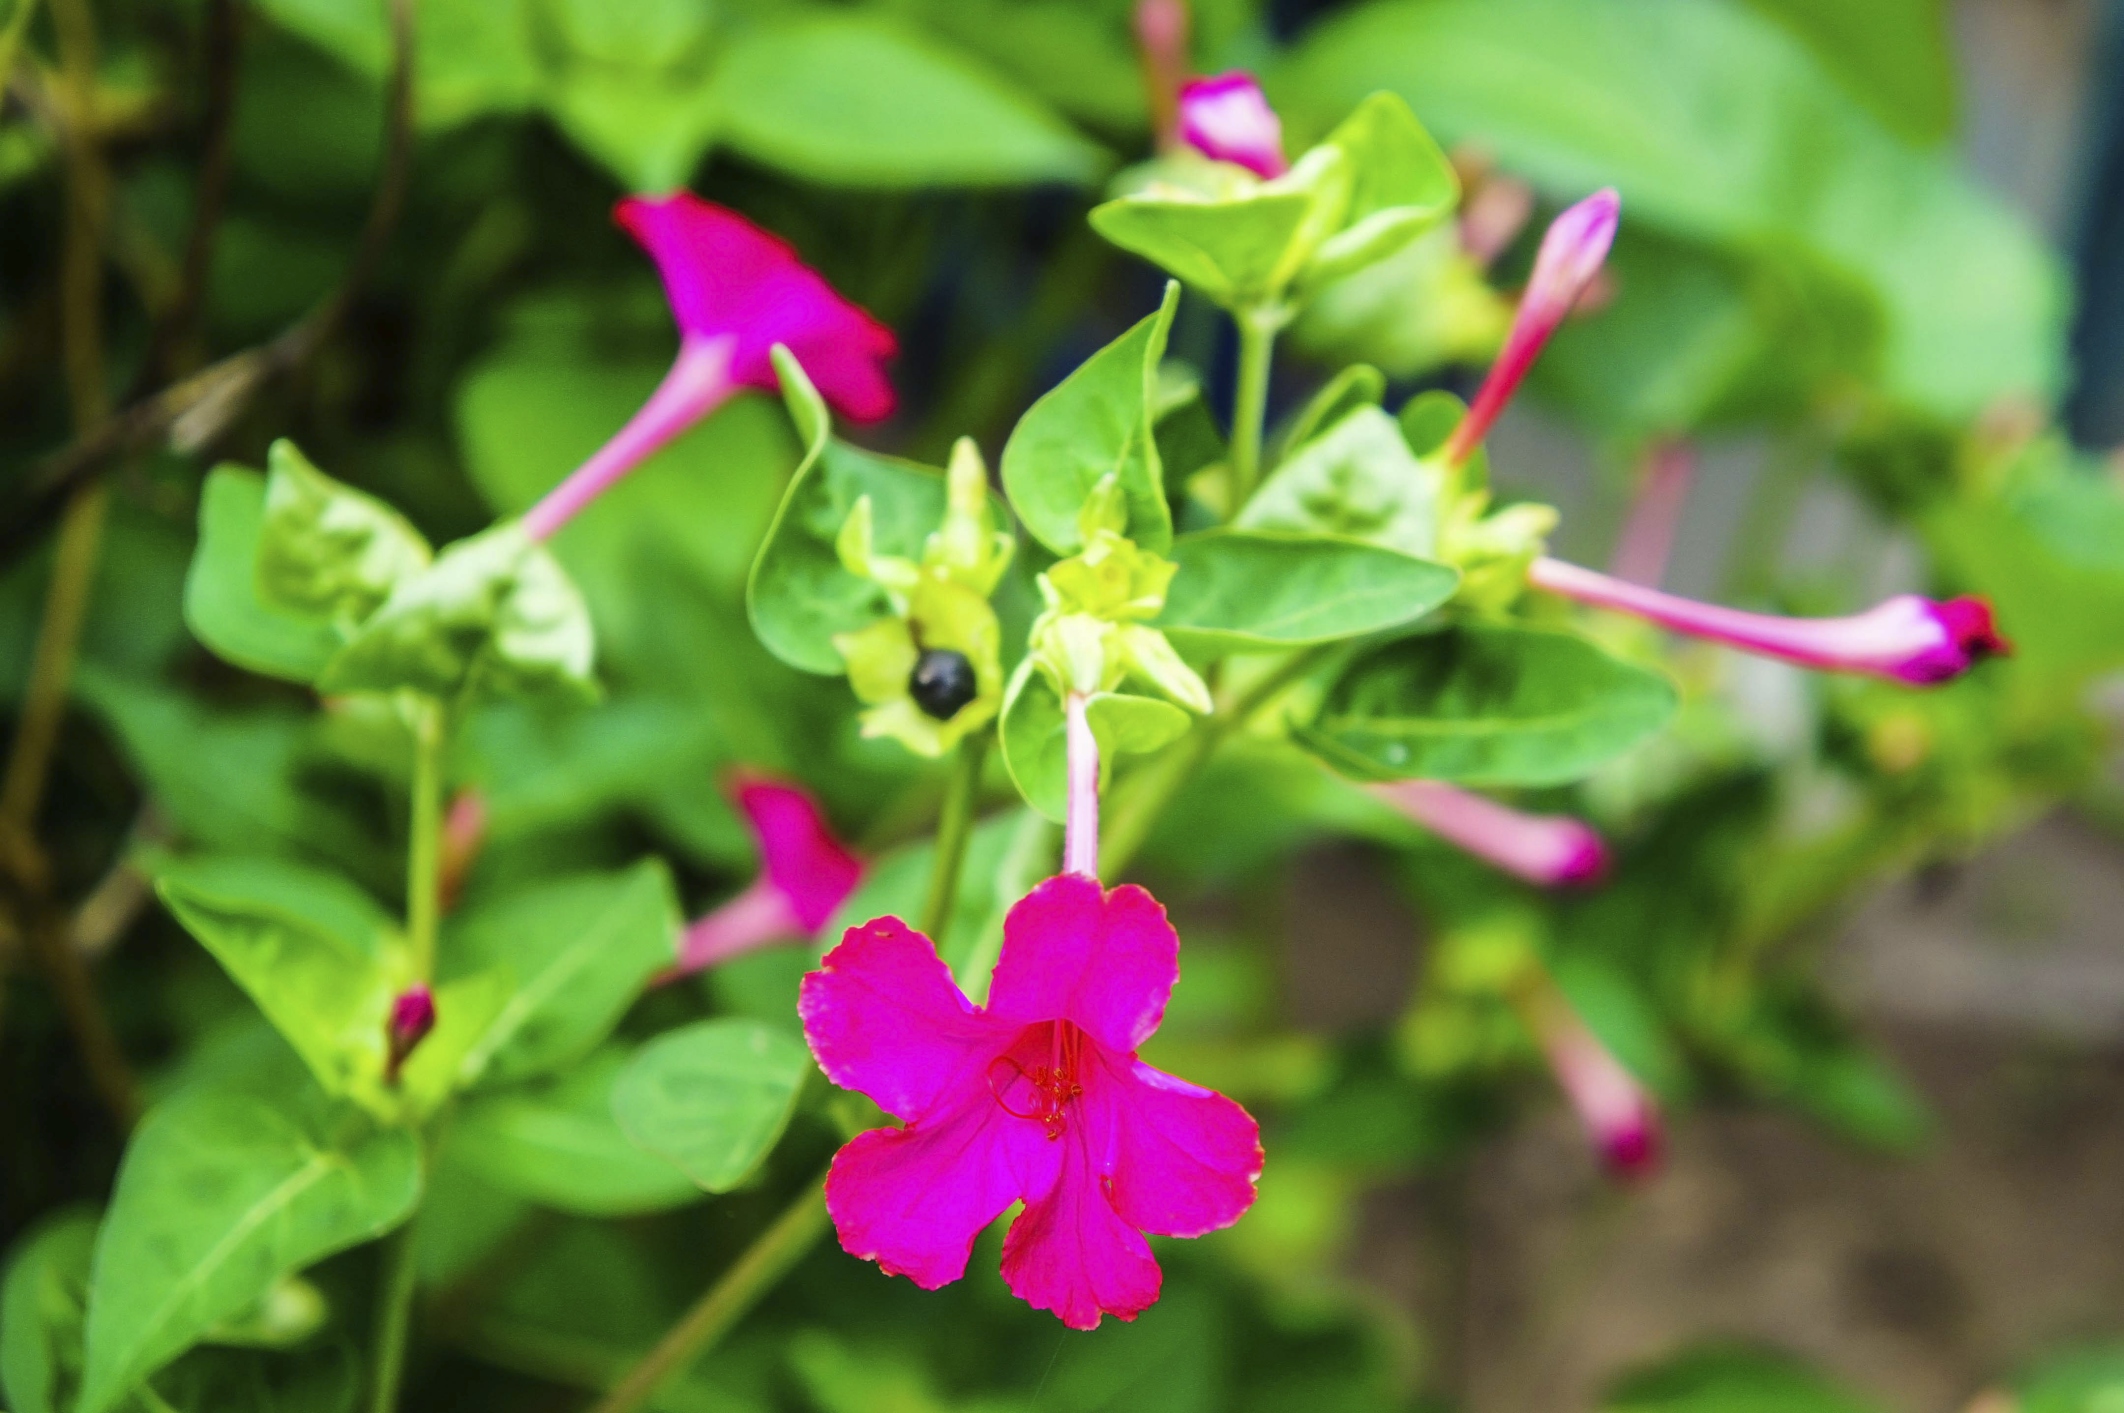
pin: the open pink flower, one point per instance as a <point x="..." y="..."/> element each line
<point x="1619" y="1114"/>
<point x="1228" y="118"/>
<point x="1908" y="639"/>
<point x="1571" y="254"/>
<point x="736" y="292"/>
<point x="1549" y="850"/>
<point x="1037" y="1096"/>
<point x="805" y="875"/>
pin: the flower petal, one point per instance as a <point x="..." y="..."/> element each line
<point x="913" y="1199"/>
<point x="883" y="1018"/>
<point x="1106" y="961"/>
<point x="798" y="850"/>
<point x="1179" y="1160"/>
<point x="1071" y="1253"/>
<point x="724" y="275"/>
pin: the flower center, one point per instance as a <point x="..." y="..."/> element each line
<point x="1039" y="1076"/>
<point x="943" y="682"/>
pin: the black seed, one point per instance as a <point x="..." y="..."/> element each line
<point x="943" y="682"/>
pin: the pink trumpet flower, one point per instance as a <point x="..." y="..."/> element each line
<point x="412" y="1017"/>
<point x="1909" y="639"/>
<point x="1548" y="850"/>
<point x="1036" y="1097"/>
<point x="805" y="876"/>
<point x="736" y="292"/>
<point x="1570" y="256"/>
<point x="1228" y="118"/>
<point x="1620" y="1116"/>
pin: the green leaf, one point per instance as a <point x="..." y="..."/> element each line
<point x="1358" y="479"/>
<point x="1895" y="56"/>
<point x="1487" y="704"/>
<point x="712" y="1097"/>
<point x="1235" y="251"/>
<point x="1241" y="589"/>
<point x="800" y="595"/>
<point x="857" y="100"/>
<point x="556" y="1143"/>
<point x="222" y="601"/>
<point x="472" y="56"/>
<point x="327" y="550"/>
<point x="1719" y="127"/>
<point x="580" y="949"/>
<point x="495" y="612"/>
<point x="1035" y="735"/>
<point x="313" y="951"/>
<point x="1729" y="1379"/>
<point x="1400" y="186"/>
<point x="1359" y="385"/>
<point x="42" y="1304"/>
<point x="1098" y="422"/>
<point x="222" y="1193"/>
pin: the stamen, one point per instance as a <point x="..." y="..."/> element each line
<point x="1053" y="1085"/>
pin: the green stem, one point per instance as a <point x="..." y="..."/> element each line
<point x="954" y="828"/>
<point x="424" y="854"/>
<point x="1257" y="341"/>
<point x="394" y="1317"/>
<point x="764" y="1262"/>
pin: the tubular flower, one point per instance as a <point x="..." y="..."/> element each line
<point x="1228" y="118"/>
<point x="736" y="291"/>
<point x="1909" y="639"/>
<point x="1038" y="1096"/>
<point x="805" y="875"/>
<point x="412" y="1017"/>
<point x="931" y="672"/>
<point x="1548" y="850"/>
<point x="1620" y="1116"/>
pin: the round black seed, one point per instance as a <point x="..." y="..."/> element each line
<point x="943" y="682"/>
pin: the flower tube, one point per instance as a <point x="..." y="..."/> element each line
<point x="1619" y="1115"/>
<point x="1080" y="838"/>
<point x="1161" y="41"/>
<point x="1036" y="1097"/>
<point x="1548" y="850"/>
<point x="805" y="875"/>
<point x="1228" y="118"/>
<point x="736" y="291"/>
<point x="1571" y="255"/>
<point x="1909" y="639"/>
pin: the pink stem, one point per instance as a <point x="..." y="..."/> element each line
<point x="755" y="918"/>
<point x="698" y="383"/>
<point x="1647" y="538"/>
<point x="1547" y="850"/>
<point x="1080" y="839"/>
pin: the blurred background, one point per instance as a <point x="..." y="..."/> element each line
<point x="1863" y="944"/>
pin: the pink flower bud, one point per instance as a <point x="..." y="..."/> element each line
<point x="1908" y="639"/>
<point x="1161" y="39"/>
<point x="412" y="1017"/>
<point x="1228" y="118"/>
<point x="1570" y="256"/>
<point x="1619" y="1115"/>
<point x="1548" y="850"/>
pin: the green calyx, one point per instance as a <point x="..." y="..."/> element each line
<point x="938" y="603"/>
<point x="1094" y="632"/>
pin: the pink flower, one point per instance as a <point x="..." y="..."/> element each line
<point x="1227" y="118"/>
<point x="1549" y="850"/>
<point x="1038" y="1096"/>
<point x="1918" y="641"/>
<point x="736" y="292"/>
<point x="805" y="875"/>
<point x="1620" y="1116"/>
<point x="412" y="1017"/>
<point x="1571" y="254"/>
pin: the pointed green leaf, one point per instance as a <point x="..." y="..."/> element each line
<point x="1358" y="479"/>
<point x="1400" y="186"/>
<point x="1235" y="251"/>
<point x="1359" y="385"/>
<point x="223" y="1192"/>
<point x="327" y="550"/>
<point x="1487" y="704"/>
<point x="1098" y="422"/>
<point x="1241" y="589"/>
<point x="712" y="1097"/>
<point x="222" y="603"/>
<point x="1035" y="735"/>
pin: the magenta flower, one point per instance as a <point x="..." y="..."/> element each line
<point x="1037" y="1096"/>
<point x="412" y="1017"/>
<point x="1571" y="254"/>
<point x="805" y="875"/>
<point x="1619" y="1115"/>
<point x="736" y="292"/>
<point x="1908" y="639"/>
<point x="1549" y="850"/>
<point x="1228" y="118"/>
